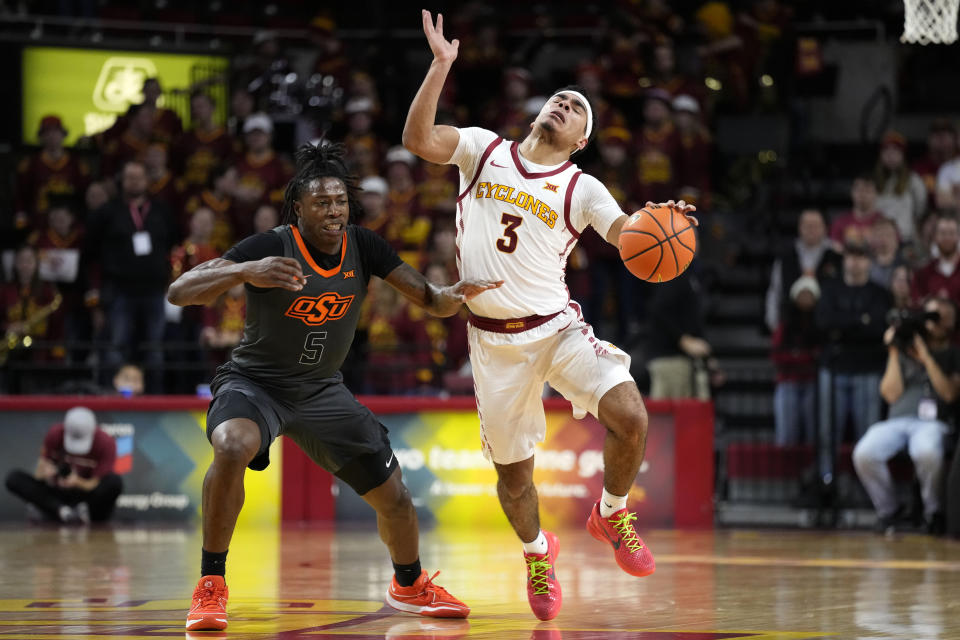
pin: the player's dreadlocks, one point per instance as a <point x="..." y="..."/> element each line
<point x="321" y="160"/>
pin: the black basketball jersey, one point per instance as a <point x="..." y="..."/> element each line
<point x="292" y="337"/>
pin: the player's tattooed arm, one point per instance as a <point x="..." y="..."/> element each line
<point x="208" y="280"/>
<point x="421" y="134"/>
<point x="435" y="299"/>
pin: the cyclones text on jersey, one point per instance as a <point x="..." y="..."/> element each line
<point x="522" y="200"/>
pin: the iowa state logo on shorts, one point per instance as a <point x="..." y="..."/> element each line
<point x="317" y="310"/>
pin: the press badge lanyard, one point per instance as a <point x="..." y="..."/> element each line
<point x="927" y="407"/>
<point x="142" y="246"/>
<point x="139" y="218"/>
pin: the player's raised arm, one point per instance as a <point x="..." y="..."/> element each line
<point x="421" y="134"/>
<point x="205" y="282"/>
<point x="435" y="299"/>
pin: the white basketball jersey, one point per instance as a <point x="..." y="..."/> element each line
<point x="518" y="221"/>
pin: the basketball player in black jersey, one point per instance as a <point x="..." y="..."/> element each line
<point x="305" y="282"/>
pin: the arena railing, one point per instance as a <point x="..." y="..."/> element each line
<point x="187" y="367"/>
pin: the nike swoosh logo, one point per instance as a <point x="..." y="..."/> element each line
<point x="615" y="543"/>
<point x="494" y="164"/>
<point x="390" y="460"/>
<point x="193" y="623"/>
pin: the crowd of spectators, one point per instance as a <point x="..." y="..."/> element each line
<point x="190" y="185"/>
<point x="902" y="220"/>
<point x="187" y="188"/>
<point x="845" y="301"/>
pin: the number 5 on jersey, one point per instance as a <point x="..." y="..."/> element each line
<point x="313" y="347"/>
<point x="508" y="243"/>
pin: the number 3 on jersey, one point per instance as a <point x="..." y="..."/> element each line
<point x="508" y="243"/>
<point x="313" y="347"/>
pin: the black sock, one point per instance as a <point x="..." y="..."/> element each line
<point x="213" y="564"/>
<point x="407" y="574"/>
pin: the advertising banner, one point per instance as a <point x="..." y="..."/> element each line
<point x="162" y="457"/>
<point x="453" y="484"/>
<point x="89" y="88"/>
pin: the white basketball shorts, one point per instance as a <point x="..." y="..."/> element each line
<point x="509" y="375"/>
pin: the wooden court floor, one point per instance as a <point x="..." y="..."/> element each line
<point x="123" y="582"/>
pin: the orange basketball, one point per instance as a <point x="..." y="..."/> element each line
<point x="657" y="243"/>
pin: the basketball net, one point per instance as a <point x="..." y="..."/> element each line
<point x="930" y="21"/>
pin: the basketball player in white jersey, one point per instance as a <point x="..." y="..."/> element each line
<point x="521" y="209"/>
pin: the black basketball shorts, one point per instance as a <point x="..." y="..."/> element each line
<point x="325" y="421"/>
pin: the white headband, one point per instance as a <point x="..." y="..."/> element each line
<point x="586" y="105"/>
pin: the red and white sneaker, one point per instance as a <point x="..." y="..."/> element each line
<point x="632" y="555"/>
<point x="208" y="612"/>
<point x="543" y="588"/>
<point x="425" y="598"/>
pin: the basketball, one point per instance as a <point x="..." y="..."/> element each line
<point x="657" y="243"/>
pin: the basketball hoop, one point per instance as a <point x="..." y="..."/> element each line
<point x="930" y="21"/>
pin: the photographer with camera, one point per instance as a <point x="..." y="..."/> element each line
<point x="74" y="482"/>
<point x="920" y="383"/>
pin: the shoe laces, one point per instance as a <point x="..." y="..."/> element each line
<point x="539" y="569"/>
<point x="208" y="596"/>
<point x="628" y="534"/>
<point x="430" y="585"/>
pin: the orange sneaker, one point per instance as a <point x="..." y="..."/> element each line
<point x="425" y="598"/>
<point x="543" y="588"/>
<point x="632" y="555"/>
<point x="209" y="609"/>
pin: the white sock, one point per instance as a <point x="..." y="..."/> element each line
<point x="610" y="504"/>
<point x="539" y="544"/>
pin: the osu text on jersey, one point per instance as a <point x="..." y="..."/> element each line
<point x="316" y="310"/>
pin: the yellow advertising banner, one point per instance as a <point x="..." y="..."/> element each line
<point x="89" y="88"/>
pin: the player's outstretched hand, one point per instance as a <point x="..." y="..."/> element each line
<point x="469" y="289"/>
<point x="273" y="272"/>
<point x="443" y="50"/>
<point x="682" y="207"/>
